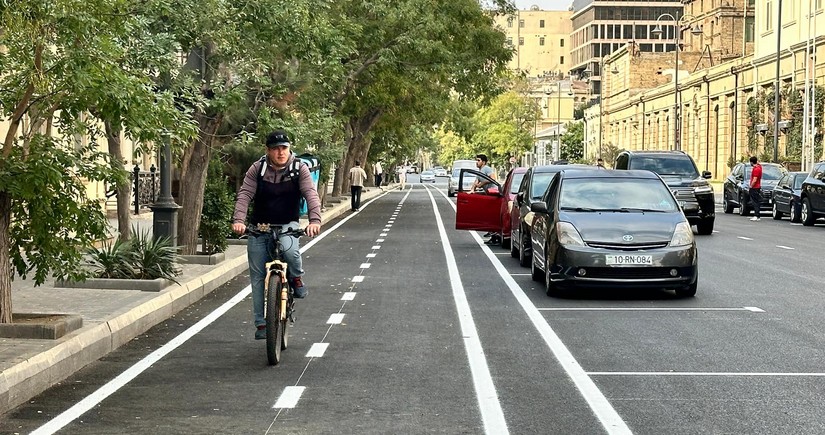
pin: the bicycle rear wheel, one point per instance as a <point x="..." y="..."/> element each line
<point x="274" y="326"/>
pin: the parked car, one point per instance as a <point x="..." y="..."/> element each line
<point x="737" y="187"/>
<point x="427" y="177"/>
<point x="452" y="185"/>
<point x="813" y="195"/>
<point x="412" y="169"/>
<point x="439" y="171"/>
<point x="484" y="220"/>
<point x="612" y="229"/>
<point x="786" y="196"/>
<point x="532" y="188"/>
<point x="678" y="170"/>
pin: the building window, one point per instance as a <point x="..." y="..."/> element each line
<point x="510" y="23"/>
<point x="541" y="40"/>
<point x="521" y="41"/>
<point x="749" y="29"/>
<point x="541" y="23"/>
<point x="561" y="43"/>
<point x="561" y="60"/>
<point x="521" y="24"/>
<point x="510" y="40"/>
<point x="768" y="16"/>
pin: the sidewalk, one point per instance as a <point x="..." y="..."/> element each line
<point x="111" y="318"/>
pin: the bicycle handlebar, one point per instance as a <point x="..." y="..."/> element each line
<point x="275" y="230"/>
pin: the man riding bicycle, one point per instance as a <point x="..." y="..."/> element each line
<point x="276" y="192"/>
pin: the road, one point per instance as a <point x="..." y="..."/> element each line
<point x="414" y="327"/>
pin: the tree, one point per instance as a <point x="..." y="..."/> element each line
<point x="506" y="126"/>
<point x="572" y="142"/>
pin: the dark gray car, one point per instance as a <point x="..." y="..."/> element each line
<point x="612" y="229"/>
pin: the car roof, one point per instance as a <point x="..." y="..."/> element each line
<point x="609" y="173"/>
<point x="557" y="168"/>
<point x="654" y="152"/>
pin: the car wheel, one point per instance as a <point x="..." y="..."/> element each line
<point x="808" y="218"/>
<point x="775" y="213"/>
<point x="795" y="218"/>
<point x="525" y="251"/>
<point x="535" y="273"/>
<point x="689" y="291"/>
<point x="705" y="226"/>
<point x="551" y="288"/>
<point x="744" y="210"/>
<point x="728" y="206"/>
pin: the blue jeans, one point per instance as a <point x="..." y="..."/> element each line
<point x="258" y="254"/>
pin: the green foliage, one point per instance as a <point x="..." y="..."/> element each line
<point x="218" y="205"/>
<point x="113" y="260"/>
<point x="507" y="126"/>
<point x="572" y="142"/>
<point x="609" y="154"/>
<point x="154" y="258"/>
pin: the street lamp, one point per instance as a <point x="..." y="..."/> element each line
<point x="557" y="155"/>
<point x="776" y="97"/>
<point x="677" y="36"/>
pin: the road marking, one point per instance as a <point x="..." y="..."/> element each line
<point x="317" y="350"/>
<point x="335" y="319"/>
<point x="379" y="240"/>
<point x="604" y="411"/>
<point x="796" y="224"/>
<point x="371" y="255"/>
<point x="752" y="309"/>
<point x="365" y="265"/>
<point x="701" y="374"/>
<point x="501" y="253"/>
<point x="785" y="247"/>
<point x="348" y="296"/>
<point x="491" y="413"/>
<point x="358" y="278"/>
<point x="376" y="247"/>
<point x="520" y="274"/>
<point x="289" y="398"/>
<point x="383" y="235"/>
<point x="744" y="238"/>
<point x="715" y="231"/>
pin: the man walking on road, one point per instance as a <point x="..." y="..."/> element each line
<point x="755" y="188"/>
<point x="379" y="174"/>
<point x="356" y="182"/>
<point x="402" y="177"/>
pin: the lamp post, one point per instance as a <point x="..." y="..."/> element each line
<point x="677" y="36"/>
<point x="776" y="99"/>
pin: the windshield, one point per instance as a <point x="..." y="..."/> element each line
<point x="619" y="194"/>
<point x="516" y="182"/>
<point x="666" y="165"/>
<point x="769" y="172"/>
<point x="540" y="182"/>
<point x="427" y="173"/>
<point x="456" y="171"/>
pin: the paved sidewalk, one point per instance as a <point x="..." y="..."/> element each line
<point x="111" y="318"/>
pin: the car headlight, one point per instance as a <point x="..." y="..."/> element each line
<point x="703" y="189"/>
<point x="682" y="235"/>
<point x="568" y="234"/>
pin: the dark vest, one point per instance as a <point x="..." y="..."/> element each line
<point x="276" y="203"/>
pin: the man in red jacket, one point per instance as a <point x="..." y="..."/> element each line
<point x="756" y="188"/>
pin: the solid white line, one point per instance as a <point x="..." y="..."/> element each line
<point x="604" y="411"/>
<point x="139" y="367"/>
<point x="491" y="412"/>
<point x="376" y="247"/>
<point x="335" y="319"/>
<point x="744" y="238"/>
<point x="348" y="296"/>
<point x="289" y="398"/>
<point x="645" y="309"/>
<point x="785" y="247"/>
<point x="371" y="255"/>
<point x="754" y="309"/>
<point x="317" y="350"/>
<point x="700" y="374"/>
<point x="358" y="278"/>
<point x="365" y="265"/>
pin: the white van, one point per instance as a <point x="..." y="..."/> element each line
<point x="452" y="186"/>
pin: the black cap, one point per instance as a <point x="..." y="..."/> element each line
<point x="277" y="138"/>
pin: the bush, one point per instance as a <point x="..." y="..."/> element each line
<point x="218" y="205"/>
<point x="114" y="260"/>
<point x="142" y="257"/>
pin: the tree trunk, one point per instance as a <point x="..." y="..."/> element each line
<point x="358" y="146"/>
<point x="193" y="182"/>
<point x="5" y="259"/>
<point x="123" y="190"/>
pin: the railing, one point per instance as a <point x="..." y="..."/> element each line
<point x="146" y="185"/>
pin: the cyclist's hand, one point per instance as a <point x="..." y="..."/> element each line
<point x="239" y="228"/>
<point x="313" y="230"/>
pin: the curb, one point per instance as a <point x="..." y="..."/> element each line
<point x="22" y="381"/>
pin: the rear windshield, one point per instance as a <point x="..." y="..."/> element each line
<point x="797" y="182"/>
<point x="516" y="182"/>
<point x="769" y="172"/>
<point x="666" y="165"/>
<point x="596" y="194"/>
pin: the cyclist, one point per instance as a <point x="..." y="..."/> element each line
<point x="275" y="192"/>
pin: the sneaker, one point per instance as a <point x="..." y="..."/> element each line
<point x="260" y="333"/>
<point x="755" y="219"/>
<point x="299" y="291"/>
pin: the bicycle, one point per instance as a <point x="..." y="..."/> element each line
<point x="278" y="300"/>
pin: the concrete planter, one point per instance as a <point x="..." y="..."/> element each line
<point x="146" y="285"/>
<point x="40" y="326"/>
<point x="203" y="259"/>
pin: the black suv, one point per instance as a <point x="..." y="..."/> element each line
<point x="677" y="169"/>
<point x="813" y="195"/>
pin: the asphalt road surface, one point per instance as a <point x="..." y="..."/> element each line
<point x="413" y="327"/>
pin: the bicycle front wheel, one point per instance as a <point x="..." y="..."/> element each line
<point x="274" y="325"/>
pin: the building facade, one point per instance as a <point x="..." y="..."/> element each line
<point x="540" y="41"/>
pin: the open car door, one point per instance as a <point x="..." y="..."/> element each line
<point x="479" y="210"/>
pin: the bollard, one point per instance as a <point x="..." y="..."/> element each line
<point x="152" y="170"/>
<point x="136" y="171"/>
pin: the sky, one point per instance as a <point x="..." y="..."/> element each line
<point x="547" y="5"/>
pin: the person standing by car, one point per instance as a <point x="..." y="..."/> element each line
<point x="481" y="164"/>
<point x="356" y="183"/>
<point x="379" y="174"/>
<point x="272" y="187"/>
<point x="600" y="163"/>
<point x="755" y="186"/>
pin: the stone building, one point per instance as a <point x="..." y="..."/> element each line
<point x="540" y="41"/>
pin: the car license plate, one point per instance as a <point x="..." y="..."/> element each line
<point x="635" y="260"/>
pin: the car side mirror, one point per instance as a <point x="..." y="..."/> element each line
<point x="492" y="190"/>
<point x="520" y="198"/>
<point x="538" y="207"/>
<point x="706" y="174"/>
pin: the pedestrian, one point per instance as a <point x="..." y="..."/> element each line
<point x="600" y="163"/>
<point x="755" y="186"/>
<point x="481" y="164"/>
<point x="271" y="185"/>
<point x="402" y="177"/>
<point x="378" y="172"/>
<point x="357" y="176"/>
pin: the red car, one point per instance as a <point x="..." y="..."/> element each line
<point x="489" y="209"/>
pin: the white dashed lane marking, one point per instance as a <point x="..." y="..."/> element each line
<point x="336" y="319"/>
<point x="744" y="238"/>
<point x="379" y="240"/>
<point x="365" y="265"/>
<point x="785" y="247"/>
<point x="348" y="296"/>
<point x="317" y="350"/>
<point x="289" y="398"/>
<point x="376" y="247"/>
<point x="371" y="255"/>
<point x="358" y="278"/>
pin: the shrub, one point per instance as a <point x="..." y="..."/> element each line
<point x="142" y="257"/>
<point x="218" y="205"/>
<point x="113" y="260"/>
